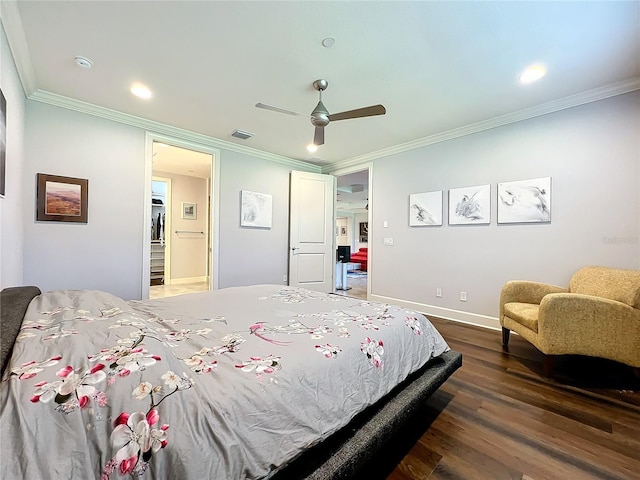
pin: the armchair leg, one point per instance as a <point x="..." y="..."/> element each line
<point x="505" y="337"/>
<point x="547" y="365"/>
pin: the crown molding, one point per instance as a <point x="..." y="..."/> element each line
<point x="12" y="24"/>
<point x="171" y="131"/>
<point x="582" y="98"/>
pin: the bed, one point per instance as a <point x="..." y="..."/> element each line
<point x="259" y="382"/>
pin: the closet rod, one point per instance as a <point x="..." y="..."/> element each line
<point x="188" y="231"/>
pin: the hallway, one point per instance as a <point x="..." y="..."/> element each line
<point x="358" y="284"/>
<point x="160" y="291"/>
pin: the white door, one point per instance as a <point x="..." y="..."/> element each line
<point x="311" y="231"/>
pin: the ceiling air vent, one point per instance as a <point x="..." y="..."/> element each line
<point x="242" y="134"/>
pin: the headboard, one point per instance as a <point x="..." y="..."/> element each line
<point x="13" y="305"/>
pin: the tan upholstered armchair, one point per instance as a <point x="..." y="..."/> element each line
<point x="598" y="315"/>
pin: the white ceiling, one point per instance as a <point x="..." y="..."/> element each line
<point x="353" y="192"/>
<point x="170" y="159"/>
<point x="435" y="66"/>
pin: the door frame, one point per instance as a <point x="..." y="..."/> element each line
<point x="370" y="252"/>
<point x="214" y="206"/>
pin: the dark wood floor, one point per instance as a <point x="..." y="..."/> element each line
<point x="497" y="417"/>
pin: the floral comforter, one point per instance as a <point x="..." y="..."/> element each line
<point x="230" y="384"/>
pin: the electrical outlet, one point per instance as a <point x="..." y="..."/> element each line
<point x="438" y="292"/>
<point x="284" y="278"/>
<point x="463" y="296"/>
<point x="388" y="241"/>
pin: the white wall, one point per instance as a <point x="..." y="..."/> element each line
<point x="11" y="206"/>
<point x="592" y="153"/>
<point x="346" y="238"/>
<point x="253" y="255"/>
<point x="106" y="252"/>
<point x="188" y="250"/>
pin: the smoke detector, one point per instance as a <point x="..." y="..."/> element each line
<point x="83" y="62"/>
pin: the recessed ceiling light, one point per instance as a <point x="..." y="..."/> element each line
<point x="141" y="91"/>
<point x="83" y="62"/>
<point x="532" y="74"/>
<point x="312" y="148"/>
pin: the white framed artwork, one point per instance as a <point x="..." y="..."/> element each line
<point x="189" y="210"/>
<point x="425" y="209"/>
<point x="525" y="201"/>
<point x="256" y="209"/>
<point x="470" y="205"/>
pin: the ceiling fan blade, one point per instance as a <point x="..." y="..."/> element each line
<point x="280" y="110"/>
<point x="318" y="137"/>
<point x="359" y="112"/>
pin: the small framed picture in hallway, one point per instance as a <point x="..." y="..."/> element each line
<point x="189" y="210"/>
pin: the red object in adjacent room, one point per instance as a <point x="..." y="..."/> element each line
<point x="361" y="257"/>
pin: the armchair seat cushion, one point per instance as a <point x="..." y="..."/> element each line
<point x="525" y="314"/>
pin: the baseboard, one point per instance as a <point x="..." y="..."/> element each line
<point x="446" y="313"/>
<point x="180" y="281"/>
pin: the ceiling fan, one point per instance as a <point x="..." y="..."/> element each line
<point x="320" y="117"/>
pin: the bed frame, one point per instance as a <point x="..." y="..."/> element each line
<point x="342" y="454"/>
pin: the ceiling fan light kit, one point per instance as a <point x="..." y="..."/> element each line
<point x="320" y="116"/>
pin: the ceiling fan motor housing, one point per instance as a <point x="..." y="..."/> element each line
<point x="320" y="115"/>
<point x="319" y="119"/>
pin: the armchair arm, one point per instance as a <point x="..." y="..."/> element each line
<point x="526" y="292"/>
<point x="571" y="323"/>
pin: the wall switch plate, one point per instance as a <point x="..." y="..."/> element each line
<point x="438" y="292"/>
<point x="388" y="241"/>
<point x="385" y="224"/>
<point x="284" y="278"/>
<point x="463" y="296"/>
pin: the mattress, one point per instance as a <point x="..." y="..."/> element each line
<point x="230" y="384"/>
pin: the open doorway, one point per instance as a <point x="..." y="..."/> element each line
<point x="352" y="230"/>
<point x="180" y="257"/>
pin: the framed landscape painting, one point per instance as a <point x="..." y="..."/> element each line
<point x="62" y="199"/>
